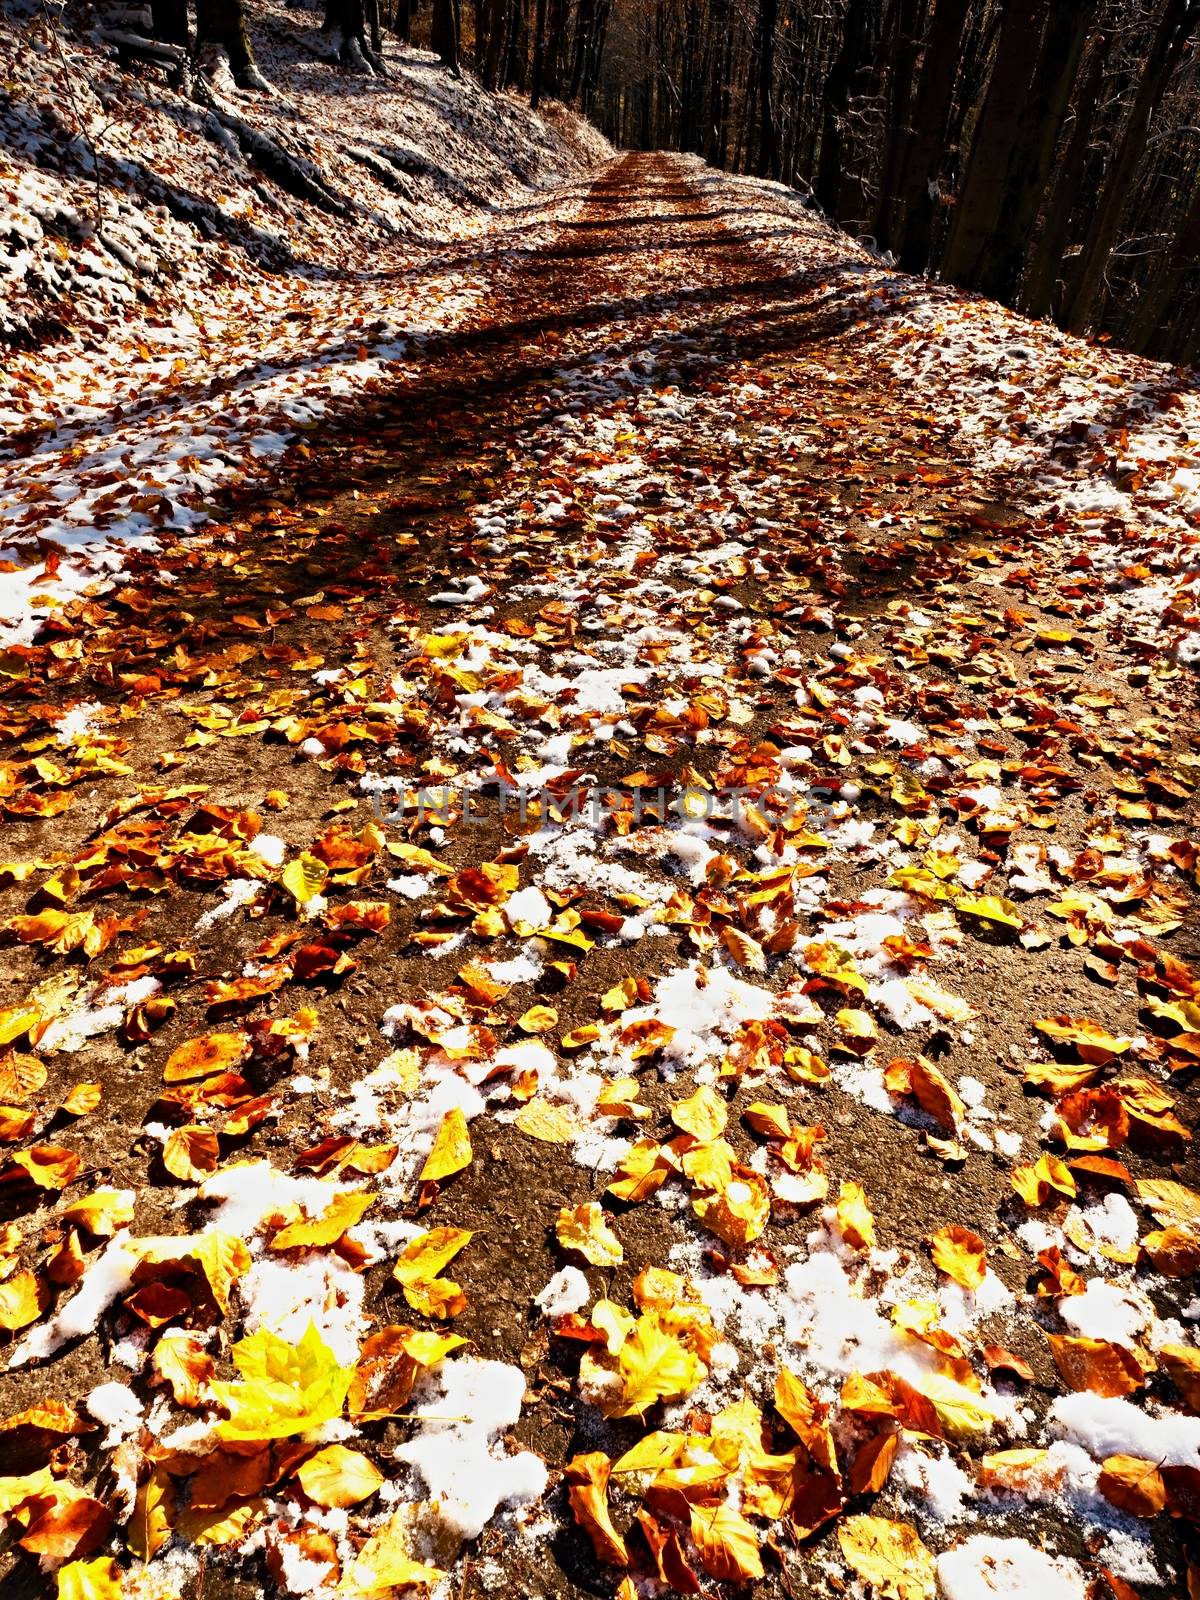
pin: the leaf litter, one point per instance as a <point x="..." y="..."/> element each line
<point x="788" y="1194"/>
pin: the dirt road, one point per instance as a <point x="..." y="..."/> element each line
<point x="639" y="748"/>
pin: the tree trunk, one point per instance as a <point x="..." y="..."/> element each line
<point x="922" y="158"/>
<point x="1001" y="251"/>
<point x="1042" y="276"/>
<point x="445" y="33"/>
<point x="538" y="71"/>
<point x="1176" y="24"/>
<point x="994" y="141"/>
<point x="402" y="20"/>
<point x="897" y="130"/>
<point x="171" y="22"/>
<point x="345" y="25"/>
<point x="768" y="130"/>
<point x="837" y="98"/>
<point x="497" y="43"/>
<point x="1145" y="333"/>
<point x="221" y="26"/>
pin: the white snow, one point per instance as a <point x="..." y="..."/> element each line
<point x="461" y="1461"/>
<point x="985" y="1566"/>
<point x="566" y="1291"/>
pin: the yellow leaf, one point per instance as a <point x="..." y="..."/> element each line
<point x="201" y="1058"/>
<point x="14" y="1490"/>
<point x="962" y="1412"/>
<point x="344" y="1210"/>
<point x="771" y="1121"/>
<point x="747" y="952"/>
<point x="640" y="1171"/>
<point x="990" y="908"/>
<point x="384" y="1563"/>
<point x="552" y="1124"/>
<point x="703" y="1115"/>
<point x="16" y="1021"/>
<point x="81" y="1099"/>
<point x="585" y="1230"/>
<point x="285" y="1389"/>
<point x="1096" y="1365"/>
<point x="587" y="1479"/>
<point x="854" y="1217"/>
<point x="150" y="1525"/>
<point x="620" y="997"/>
<point x="418" y="1267"/>
<point x="451" y="1149"/>
<point x="1034" y="1184"/>
<point x="90" y="1580"/>
<point x="1133" y="1484"/>
<point x="339" y="1477"/>
<point x="305" y="878"/>
<point x="653" y="1366"/>
<point x="890" y="1556"/>
<point x="191" y="1153"/>
<point x="960" y="1254"/>
<point x="22" y="1300"/>
<point x="726" y="1542"/>
<point x="1183" y="1368"/>
<point x="538" y="1019"/>
<point x="220" y="1527"/>
<point x="739" y="1212"/>
<point x="1093" y="1043"/>
<point x="1170" y="1202"/>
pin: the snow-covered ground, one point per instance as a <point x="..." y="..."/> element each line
<point x="176" y="319"/>
<point x="1107" y="442"/>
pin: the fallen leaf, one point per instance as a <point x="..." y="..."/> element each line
<point x="585" y="1231"/>
<point x="889" y="1556"/>
<point x="339" y="1477"/>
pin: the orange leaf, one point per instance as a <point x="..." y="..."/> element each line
<point x="960" y="1254"/>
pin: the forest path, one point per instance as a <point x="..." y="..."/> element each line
<point x="648" y="526"/>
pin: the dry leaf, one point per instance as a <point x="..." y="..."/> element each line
<point x="889" y="1556"/>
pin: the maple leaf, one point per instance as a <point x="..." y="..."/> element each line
<point x="653" y="1365"/>
<point x="285" y="1389"/>
<point x="890" y="1556"/>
